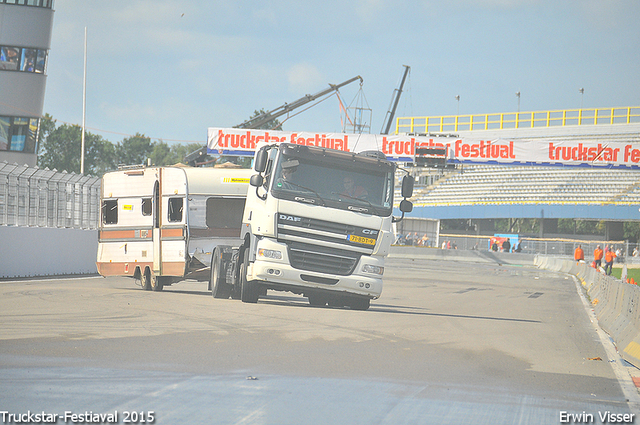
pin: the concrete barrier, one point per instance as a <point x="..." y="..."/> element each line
<point x="615" y="303"/>
<point x="44" y="251"/>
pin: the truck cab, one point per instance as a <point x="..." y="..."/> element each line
<point x="318" y="222"/>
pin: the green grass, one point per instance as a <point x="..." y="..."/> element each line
<point x="631" y="273"/>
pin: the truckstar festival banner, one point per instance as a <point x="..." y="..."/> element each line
<point x="242" y="142"/>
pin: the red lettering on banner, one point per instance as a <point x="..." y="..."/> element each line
<point x="220" y="143"/>
<point x="484" y="149"/>
<point x="407" y="147"/>
<point x="321" y="140"/>
<point x="631" y="155"/>
<point x="582" y="153"/>
<point x="244" y="141"/>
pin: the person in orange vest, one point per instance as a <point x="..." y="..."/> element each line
<point x="608" y="261"/>
<point x="597" y="256"/>
<point x="579" y="254"/>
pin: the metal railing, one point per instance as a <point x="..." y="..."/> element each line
<point x="544" y="246"/>
<point x="513" y="120"/>
<point x="47" y="198"/>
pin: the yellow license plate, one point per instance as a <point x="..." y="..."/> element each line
<point x="360" y="239"/>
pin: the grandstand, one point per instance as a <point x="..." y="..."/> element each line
<point x="489" y="184"/>
<point x="483" y="190"/>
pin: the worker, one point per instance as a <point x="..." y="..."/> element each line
<point x="578" y="255"/>
<point x="608" y="261"/>
<point x="597" y="256"/>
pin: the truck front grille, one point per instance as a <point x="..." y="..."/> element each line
<point x="318" y="259"/>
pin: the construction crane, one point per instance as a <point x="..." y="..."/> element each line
<point x="395" y="98"/>
<point x="258" y="121"/>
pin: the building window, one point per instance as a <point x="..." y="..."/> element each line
<point x="23" y="59"/>
<point x="18" y="134"/>
<point x="37" y="3"/>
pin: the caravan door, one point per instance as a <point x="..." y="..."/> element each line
<point x="170" y="238"/>
<point x="157" y="208"/>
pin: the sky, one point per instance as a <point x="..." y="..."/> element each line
<point x="169" y="69"/>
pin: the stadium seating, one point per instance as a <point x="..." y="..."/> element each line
<point x="478" y="184"/>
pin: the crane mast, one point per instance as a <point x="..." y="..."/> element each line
<point x="394" y="102"/>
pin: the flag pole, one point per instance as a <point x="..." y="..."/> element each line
<point x="84" y="100"/>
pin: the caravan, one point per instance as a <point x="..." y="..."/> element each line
<point x="160" y="224"/>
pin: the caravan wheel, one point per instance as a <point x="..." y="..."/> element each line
<point x="155" y="282"/>
<point x="144" y="279"/>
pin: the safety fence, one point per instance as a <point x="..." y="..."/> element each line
<point x="47" y="198"/>
<point x="524" y="245"/>
<point x="512" y="120"/>
<point x="616" y="303"/>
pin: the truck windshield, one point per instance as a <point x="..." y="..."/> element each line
<point x="337" y="184"/>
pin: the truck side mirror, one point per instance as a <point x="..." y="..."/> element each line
<point x="406" y="206"/>
<point x="407" y="187"/>
<point x="260" y="162"/>
<point x="256" y="180"/>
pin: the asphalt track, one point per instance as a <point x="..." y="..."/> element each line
<point x="447" y="343"/>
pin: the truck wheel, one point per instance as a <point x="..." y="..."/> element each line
<point x="359" y="303"/>
<point x="144" y="280"/>
<point x="249" y="290"/>
<point x="217" y="278"/>
<point x="155" y="282"/>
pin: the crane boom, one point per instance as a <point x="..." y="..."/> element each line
<point x="394" y="100"/>
<point x="258" y="121"/>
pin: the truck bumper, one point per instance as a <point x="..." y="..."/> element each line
<point x="283" y="275"/>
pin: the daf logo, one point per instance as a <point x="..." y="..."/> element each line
<point x="369" y="232"/>
<point x="289" y="218"/>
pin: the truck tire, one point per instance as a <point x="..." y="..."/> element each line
<point x="155" y="282"/>
<point x="249" y="290"/>
<point x="144" y="280"/>
<point x="217" y="278"/>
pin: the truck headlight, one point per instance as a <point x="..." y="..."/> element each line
<point x="270" y="253"/>
<point x="369" y="268"/>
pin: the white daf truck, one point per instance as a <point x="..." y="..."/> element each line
<point x="317" y="222"/>
<point x="160" y="224"/>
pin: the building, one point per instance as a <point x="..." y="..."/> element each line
<point x="25" y="39"/>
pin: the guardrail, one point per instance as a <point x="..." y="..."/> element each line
<point x="513" y="120"/>
<point x="47" y="198"/>
<point x="616" y="303"/>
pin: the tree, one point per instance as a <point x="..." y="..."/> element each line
<point x="273" y="124"/>
<point x="134" y="150"/>
<point x="632" y="231"/>
<point x="163" y="154"/>
<point x="47" y="125"/>
<point x="60" y="148"/>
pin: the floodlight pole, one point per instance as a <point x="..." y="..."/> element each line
<point x="84" y="100"/>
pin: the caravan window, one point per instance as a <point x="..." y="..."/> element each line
<point x="146" y="206"/>
<point x="110" y="211"/>
<point x="175" y="210"/>
<point x="225" y="213"/>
